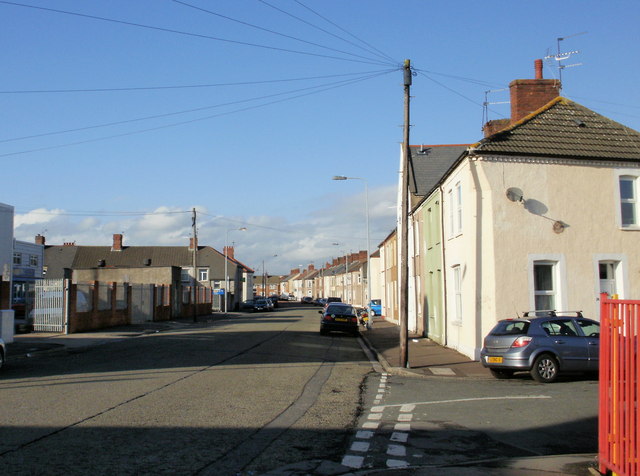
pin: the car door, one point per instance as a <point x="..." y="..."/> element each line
<point x="591" y="331"/>
<point x="569" y="343"/>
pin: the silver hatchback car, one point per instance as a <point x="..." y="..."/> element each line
<point x="543" y="344"/>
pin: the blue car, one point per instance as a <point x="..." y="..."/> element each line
<point x="375" y="307"/>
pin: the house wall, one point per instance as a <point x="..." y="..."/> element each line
<point x="389" y="263"/>
<point x="143" y="275"/>
<point x="500" y="239"/>
<point x="431" y="258"/>
<point x="6" y="241"/>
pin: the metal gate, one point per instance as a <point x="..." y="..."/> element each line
<point x="50" y="308"/>
<point x="619" y="416"/>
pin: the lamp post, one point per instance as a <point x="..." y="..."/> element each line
<point x="226" y="261"/>
<point x="366" y="204"/>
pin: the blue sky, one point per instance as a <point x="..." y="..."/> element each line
<point x="121" y="116"/>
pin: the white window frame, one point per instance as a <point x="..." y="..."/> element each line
<point x="634" y="176"/>
<point x="621" y="270"/>
<point x="559" y="279"/>
<point x="458" y="226"/>
<point x="451" y="222"/>
<point x="203" y="274"/>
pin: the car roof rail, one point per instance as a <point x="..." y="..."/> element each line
<point x="552" y="313"/>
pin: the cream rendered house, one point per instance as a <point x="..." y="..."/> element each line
<point x="540" y="214"/>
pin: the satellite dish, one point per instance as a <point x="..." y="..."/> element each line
<point x="514" y="194"/>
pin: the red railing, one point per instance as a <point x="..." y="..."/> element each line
<point x="619" y="438"/>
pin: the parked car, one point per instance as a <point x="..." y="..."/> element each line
<point x="248" y="305"/>
<point x="375" y="307"/>
<point x="333" y="299"/>
<point x="339" y="317"/>
<point x="544" y="345"/>
<point x="292" y="297"/>
<point x="320" y="302"/>
<point x="262" y="304"/>
<point x="3" y="353"/>
<point x="273" y="300"/>
<point x="306" y="300"/>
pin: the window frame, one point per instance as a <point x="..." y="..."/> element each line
<point x="559" y="279"/>
<point x="633" y="176"/>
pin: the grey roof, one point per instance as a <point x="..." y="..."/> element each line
<point x="57" y="258"/>
<point x="565" y="129"/>
<point x="429" y="164"/>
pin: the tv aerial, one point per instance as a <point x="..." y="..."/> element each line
<point x="561" y="56"/>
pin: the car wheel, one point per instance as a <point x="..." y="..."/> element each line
<point x="373" y="313"/>
<point x="501" y="373"/>
<point x="545" y="368"/>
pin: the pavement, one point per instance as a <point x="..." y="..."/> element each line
<point x="426" y="359"/>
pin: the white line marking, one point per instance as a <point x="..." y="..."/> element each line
<point x="374" y="416"/>
<point x="353" y="461"/>
<point x="378" y="409"/>
<point x="371" y="425"/>
<point x="402" y="427"/>
<point x="405" y="417"/>
<point x="396" y="463"/>
<point x="380" y="395"/>
<point x="399" y="436"/>
<point x="364" y="434"/>
<point x="407" y="408"/>
<point x="396" y="450"/>
<point x="478" y="399"/>
<point x="360" y="446"/>
<point x="441" y="371"/>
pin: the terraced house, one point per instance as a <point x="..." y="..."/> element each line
<point x="540" y="214"/>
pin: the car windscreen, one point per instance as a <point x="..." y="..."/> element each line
<point x="375" y="302"/>
<point x="504" y="328"/>
<point x="341" y="310"/>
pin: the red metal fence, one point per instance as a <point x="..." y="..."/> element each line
<point x="619" y="438"/>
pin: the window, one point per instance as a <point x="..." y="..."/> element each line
<point x="458" y="208"/>
<point x="203" y="274"/>
<point x="544" y="289"/>
<point x="607" y="271"/>
<point x="17" y="258"/>
<point x="628" y="201"/>
<point x="457" y="289"/>
<point x="455" y="210"/>
<point x="33" y="260"/>
<point x="184" y="275"/>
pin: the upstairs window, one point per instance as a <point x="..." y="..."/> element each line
<point x="628" y="201"/>
<point x="17" y="258"/>
<point x="544" y="286"/>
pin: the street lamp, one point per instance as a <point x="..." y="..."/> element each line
<point x="226" y="261"/>
<point x="366" y="204"/>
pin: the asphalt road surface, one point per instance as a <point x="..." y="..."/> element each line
<point x="237" y="396"/>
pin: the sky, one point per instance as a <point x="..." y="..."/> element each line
<point x="123" y="116"/>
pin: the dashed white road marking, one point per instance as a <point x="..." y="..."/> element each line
<point x="374" y="416"/>
<point x="378" y="409"/>
<point x="360" y="446"/>
<point x="399" y="436"/>
<point x="371" y="425"/>
<point x="402" y="427"/>
<point x="442" y="371"/>
<point x="405" y="417"/>
<point x="407" y="408"/>
<point x="364" y="434"/>
<point x="396" y="450"/>
<point x="394" y="463"/>
<point x="352" y="461"/>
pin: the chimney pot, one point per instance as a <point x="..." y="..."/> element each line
<point x="538" y="67"/>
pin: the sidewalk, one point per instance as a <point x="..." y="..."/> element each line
<point x="425" y="357"/>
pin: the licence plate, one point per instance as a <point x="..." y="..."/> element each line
<point x="494" y="360"/>
<point x="341" y="319"/>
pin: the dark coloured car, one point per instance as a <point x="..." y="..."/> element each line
<point x="306" y="300"/>
<point x="339" y="317"/>
<point x="544" y="345"/>
<point x="333" y="299"/>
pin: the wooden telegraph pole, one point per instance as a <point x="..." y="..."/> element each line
<point x="404" y="227"/>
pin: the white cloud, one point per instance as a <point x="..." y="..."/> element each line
<point x="338" y="220"/>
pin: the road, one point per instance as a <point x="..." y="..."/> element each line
<point x="254" y="393"/>
<point x="231" y="396"/>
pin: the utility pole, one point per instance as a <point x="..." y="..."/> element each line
<point x="195" y="269"/>
<point x="404" y="226"/>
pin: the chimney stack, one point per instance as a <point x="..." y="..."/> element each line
<point x="311" y="267"/>
<point x="39" y="239"/>
<point x="528" y="95"/>
<point x="117" y="242"/>
<point x="229" y="252"/>
<point x="191" y="242"/>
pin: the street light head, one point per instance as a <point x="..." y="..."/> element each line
<point x="244" y="228"/>
<point x="339" y="177"/>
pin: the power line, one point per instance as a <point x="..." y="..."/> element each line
<point x="372" y="50"/>
<point x="334" y="86"/>
<point x="185" y="33"/>
<point x="251" y="25"/>
<point x="187" y="86"/>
